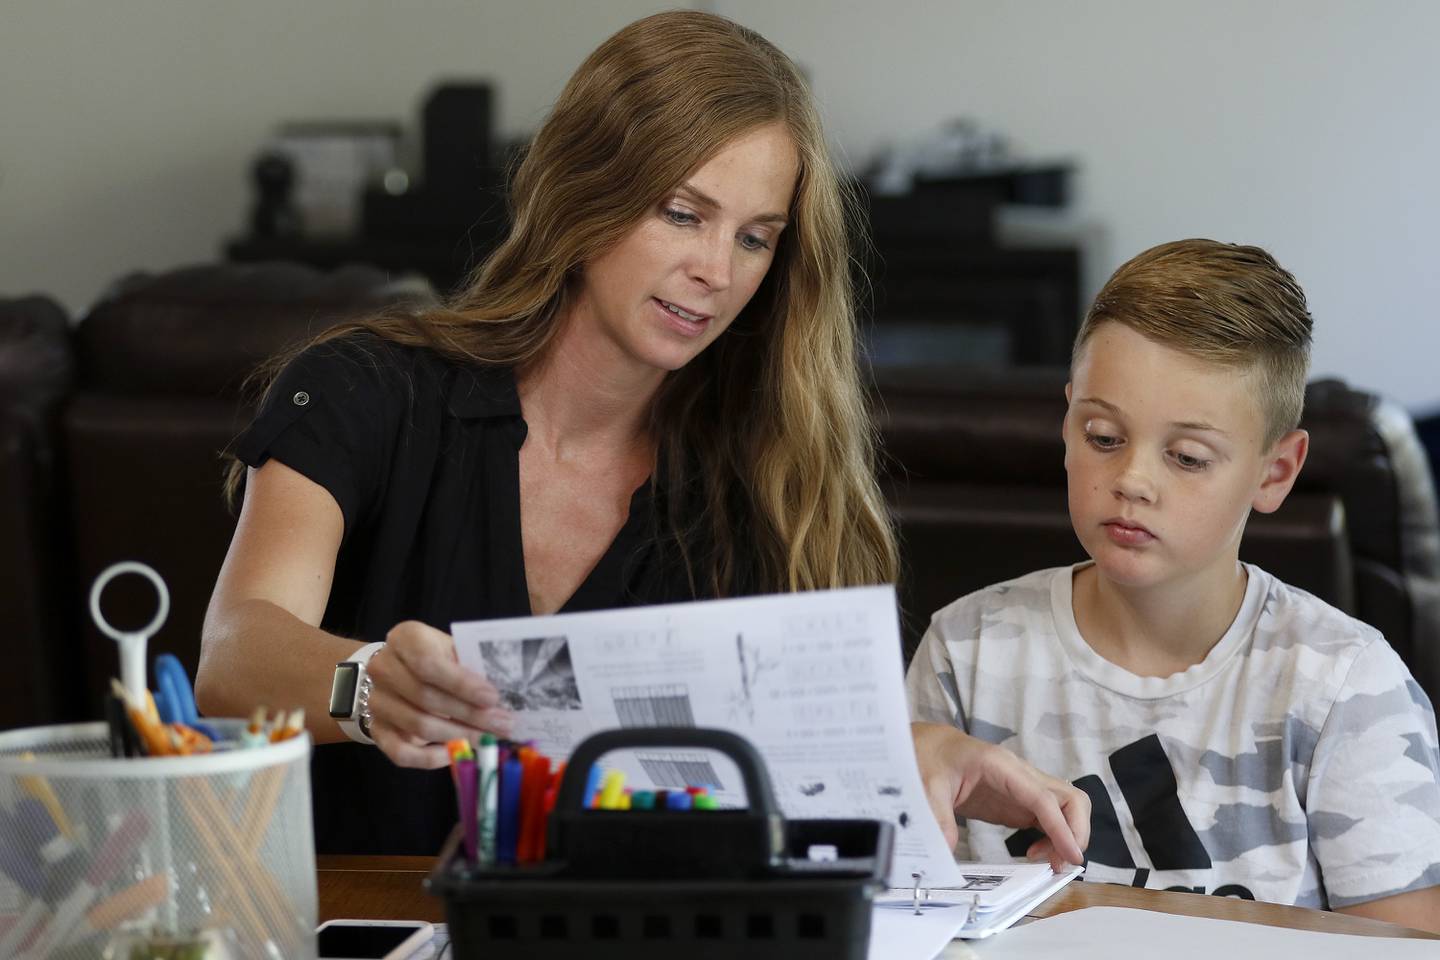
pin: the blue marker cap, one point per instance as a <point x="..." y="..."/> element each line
<point x="592" y="784"/>
<point x="677" y="800"/>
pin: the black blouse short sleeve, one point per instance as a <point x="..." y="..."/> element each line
<point x="333" y="415"/>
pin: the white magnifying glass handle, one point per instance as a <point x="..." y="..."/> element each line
<point x="132" y="665"/>
<point x="132" y="644"/>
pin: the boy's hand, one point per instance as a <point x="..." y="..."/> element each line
<point x="978" y="780"/>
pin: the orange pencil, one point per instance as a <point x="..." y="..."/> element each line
<point x="138" y="897"/>
<point x="291" y="727"/>
<point x="152" y="735"/>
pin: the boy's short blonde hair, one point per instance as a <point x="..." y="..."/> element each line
<point x="1218" y="302"/>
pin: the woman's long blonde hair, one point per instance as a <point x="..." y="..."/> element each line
<point x="767" y="441"/>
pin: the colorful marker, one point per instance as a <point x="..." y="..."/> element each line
<point x="464" y="770"/>
<point x="591" y="798"/>
<point x="488" y="771"/>
<point x="508" y="816"/>
<point x="612" y="787"/>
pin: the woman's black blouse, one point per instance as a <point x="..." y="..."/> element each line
<point x="422" y="456"/>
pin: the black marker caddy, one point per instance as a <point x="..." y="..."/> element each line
<point x="692" y="885"/>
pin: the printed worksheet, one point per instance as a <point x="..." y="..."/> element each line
<point x="813" y="680"/>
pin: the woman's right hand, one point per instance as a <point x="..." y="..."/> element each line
<point x="420" y="697"/>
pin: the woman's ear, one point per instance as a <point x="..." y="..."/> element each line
<point x="1282" y="466"/>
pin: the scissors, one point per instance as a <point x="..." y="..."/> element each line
<point x="174" y="697"/>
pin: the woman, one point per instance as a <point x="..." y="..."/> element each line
<point x="648" y="393"/>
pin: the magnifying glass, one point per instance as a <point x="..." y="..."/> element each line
<point x="132" y="644"/>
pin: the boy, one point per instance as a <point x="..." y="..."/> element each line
<point x="1236" y="736"/>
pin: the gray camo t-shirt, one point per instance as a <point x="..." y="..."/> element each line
<point x="1297" y="763"/>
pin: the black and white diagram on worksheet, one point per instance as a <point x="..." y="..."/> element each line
<point x="531" y="673"/>
<point x="672" y="770"/>
<point x="813" y="680"/>
<point x="655" y="705"/>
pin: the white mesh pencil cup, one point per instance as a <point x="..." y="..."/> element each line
<point x="106" y="857"/>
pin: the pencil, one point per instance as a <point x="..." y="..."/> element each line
<point x="260" y="800"/>
<point x="134" y="899"/>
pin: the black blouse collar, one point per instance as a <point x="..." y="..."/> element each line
<point x="483" y="392"/>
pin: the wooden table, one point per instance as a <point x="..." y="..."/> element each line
<point x="388" y="888"/>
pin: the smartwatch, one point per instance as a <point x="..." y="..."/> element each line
<point x="350" y="694"/>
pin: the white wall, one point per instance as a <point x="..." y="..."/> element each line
<point x="1307" y="126"/>
<point x="127" y="129"/>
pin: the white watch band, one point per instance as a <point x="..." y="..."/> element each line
<point x="352" y="727"/>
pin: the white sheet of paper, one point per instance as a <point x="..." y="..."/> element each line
<point x="1115" y="933"/>
<point x="898" y="934"/>
<point x="812" y="679"/>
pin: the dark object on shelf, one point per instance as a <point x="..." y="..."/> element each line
<point x="639" y="884"/>
<point x="455" y="228"/>
<point x="943" y="289"/>
<point x="1047" y="186"/>
<point x="981" y="305"/>
<point x="274" y="214"/>
<point x="945" y="292"/>
<point x="956" y="211"/>
<point x="456" y="215"/>
<point x="458" y="209"/>
<point x="440" y="227"/>
<point x="457" y="136"/>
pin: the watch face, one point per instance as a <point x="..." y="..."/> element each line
<point x="342" y="691"/>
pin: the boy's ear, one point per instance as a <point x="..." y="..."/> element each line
<point x="1282" y="466"/>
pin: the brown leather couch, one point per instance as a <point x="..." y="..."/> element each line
<point x="133" y="467"/>
<point x="975" y="475"/>
<point x="36" y="372"/>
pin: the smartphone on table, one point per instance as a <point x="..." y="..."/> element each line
<point x="371" y="939"/>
